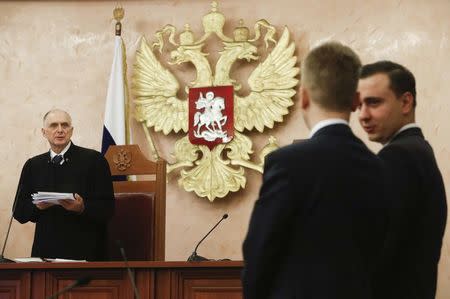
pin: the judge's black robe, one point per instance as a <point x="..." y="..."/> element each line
<point x="60" y="233"/>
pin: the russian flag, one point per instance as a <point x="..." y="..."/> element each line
<point x="114" y="127"/>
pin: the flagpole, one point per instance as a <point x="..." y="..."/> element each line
<point x="118" y="14"/>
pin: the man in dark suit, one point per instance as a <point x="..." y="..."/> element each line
<point x="418" y="210"/>
<point x="73" y="229"/>
<point x="316" y="229"/>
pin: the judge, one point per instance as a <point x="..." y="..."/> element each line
<point x="73" y="229"/>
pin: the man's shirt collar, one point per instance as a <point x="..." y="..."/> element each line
<point x="327" y="122"/>
<point x="405" y="127"/>
<point x="53" y="154"/>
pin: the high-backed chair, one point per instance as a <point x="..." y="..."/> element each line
<point x="139" y="221"/>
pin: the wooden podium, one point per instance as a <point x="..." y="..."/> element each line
<point x="110" y="280"/>
<point x="140" y="208"/>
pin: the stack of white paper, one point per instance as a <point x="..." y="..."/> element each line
<point x="42" y="260"/>
<point x="51" y="197"/>
<point x="57" y="260"/>
<point x="28" y="260"/>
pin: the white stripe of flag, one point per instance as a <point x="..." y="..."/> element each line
<point x="114" y="122"/>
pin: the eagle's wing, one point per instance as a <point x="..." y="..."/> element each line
<point x="155" y="89"/>
<point x="272" y="88"/>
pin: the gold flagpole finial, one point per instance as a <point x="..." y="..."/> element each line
<point x="118" y="14"/>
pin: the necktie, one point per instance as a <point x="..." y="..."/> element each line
<point x="57" y="159"/>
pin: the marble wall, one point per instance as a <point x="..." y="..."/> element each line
<point x="59" y="53"/>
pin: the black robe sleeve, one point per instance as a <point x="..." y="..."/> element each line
<point x="23" y="208"/>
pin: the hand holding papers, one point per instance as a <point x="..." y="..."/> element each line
<point x="51" y="197"/>
<point x="70" y="202"/>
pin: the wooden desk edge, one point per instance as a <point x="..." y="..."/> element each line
<point x="118" y="265"/>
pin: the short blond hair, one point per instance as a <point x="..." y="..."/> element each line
<point x="330" y="73"/>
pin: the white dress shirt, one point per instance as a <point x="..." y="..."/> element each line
<point x="53" y="154"/>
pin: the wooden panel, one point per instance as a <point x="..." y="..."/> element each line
<point x="163" y="284"/>
<point x="155" y="280"/>
<point x="134" y="186"/>
<point x="8" y="291"/>
<point x="93" y="293"/>
<point x="218" y="295"/>
<point x="145" y="283"/>
<point x="15" y="285"/>
<point x="38" y="284"/>
<point x="105" y="284"/>
<point x="212" y="289"/>
<point x="209" y="284"/>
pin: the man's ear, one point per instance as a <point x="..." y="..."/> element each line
<point x="70" y="131"/>
<point x="356" y="101"/>
<point x="407" y="100"/>
<point x="43" y="132"/>
<point x="304" y="98"/>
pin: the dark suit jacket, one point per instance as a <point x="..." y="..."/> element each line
<point x="318" y="226"/>
<point x="417" y="220"/>
<point x="60" y="233"/>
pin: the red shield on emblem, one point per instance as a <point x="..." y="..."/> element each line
<point x="211" y="118"/>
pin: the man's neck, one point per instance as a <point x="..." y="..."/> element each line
<point x="60" y="149"/>
<point x="406" y="120"/>
<point x="399" y="130"/>
<point x="57" y="150"/>
<point x="321" y="115"/>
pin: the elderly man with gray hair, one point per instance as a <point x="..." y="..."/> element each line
<point x="72" y="228"/>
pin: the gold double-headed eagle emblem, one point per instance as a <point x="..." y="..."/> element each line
<point x="217" y="171"/>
